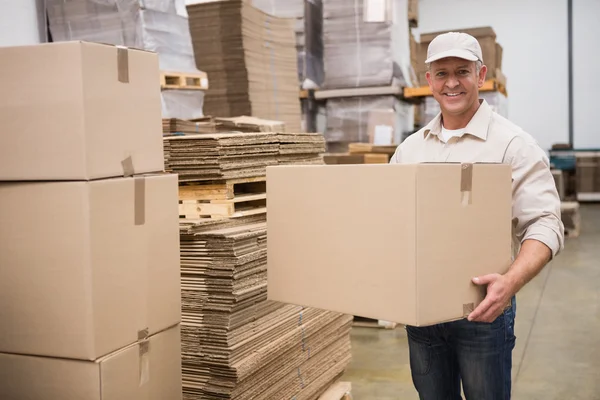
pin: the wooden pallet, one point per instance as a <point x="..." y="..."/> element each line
<point x="363" y="148"/>
<point x="338" y="391"/>
<point x="184" y="80"/>
<point x="225" y="199"/>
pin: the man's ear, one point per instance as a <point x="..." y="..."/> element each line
<point x="482" y="75"/>
<point x="428" y="77"/>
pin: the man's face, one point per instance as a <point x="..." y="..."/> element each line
<point x="455" y="84"/>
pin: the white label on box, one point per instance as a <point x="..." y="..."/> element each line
<point x="204" y="82"/>
<point x="375" y="10"/>
<point x="383" y="134"/>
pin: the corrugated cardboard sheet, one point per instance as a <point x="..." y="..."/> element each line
<point x="236" y="344"/>
<point x="239" y="155"/>
<point x="250" y="58"/>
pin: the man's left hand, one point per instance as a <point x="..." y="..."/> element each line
<point x="499" y="292"/>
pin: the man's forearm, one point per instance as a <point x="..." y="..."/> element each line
<point x="532" y="258"/>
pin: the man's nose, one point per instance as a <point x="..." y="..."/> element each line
<point x="451" y="82"/>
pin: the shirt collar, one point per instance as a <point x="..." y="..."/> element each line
<point x="477" y="126"/>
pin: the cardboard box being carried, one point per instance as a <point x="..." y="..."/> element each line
<point x="87" y="268"/>
<point x="79" y="111"/>
<point x="393" y="242"/>
<point x="148" y="370"/>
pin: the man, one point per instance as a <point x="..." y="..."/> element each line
<point x="478" y="350"/>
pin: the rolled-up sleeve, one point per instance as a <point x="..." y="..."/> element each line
<point x="536" y="203"/>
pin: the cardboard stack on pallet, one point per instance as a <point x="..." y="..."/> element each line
<point x="309" y="35"/>
<point x="89" y="295"/>
<point x="366" y="48"/>
<point x="251" y="60"/>
<point x="236" y="343"/>
<point x="159" y="25"/>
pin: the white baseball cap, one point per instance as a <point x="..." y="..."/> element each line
<point x="454" y="44"/>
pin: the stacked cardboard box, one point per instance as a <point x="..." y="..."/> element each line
<point x="157" y="25"/>
<point x="588" y="175"/>
<point x="238" y="345"/>
<point x="309" y="35"/>
<point x="492" y="51"/>
<point x="251" y="60"/>
<point x="300" y="148"/>
<point x="366" y="44"/>
<point x="93" y="310"/>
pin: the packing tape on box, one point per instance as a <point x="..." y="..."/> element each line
<point x="144" y="362"/>
<point x="123" y="64"/>
<point x="139" y="200"/>
<point x="127" y="165"/>
<point x="143" y="334"/>
<point x="466" y="183"/>
<point x="468" y="309"/>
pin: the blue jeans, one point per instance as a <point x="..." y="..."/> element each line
<point x="476" y="353"/>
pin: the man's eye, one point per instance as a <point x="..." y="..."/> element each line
<point x="463" y="72"/>
<point x="440" y="74"/>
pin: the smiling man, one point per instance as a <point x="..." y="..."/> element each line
<point x="477" y="351"/>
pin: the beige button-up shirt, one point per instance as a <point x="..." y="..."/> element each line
<point x="491" y="138"/>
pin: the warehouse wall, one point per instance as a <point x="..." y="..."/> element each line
<point x="586" y="57"/>
<point x="534" y="37"/>
<point x="21" y="22"/>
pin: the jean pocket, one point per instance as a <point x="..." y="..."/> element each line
<point x="419" y="352"/>
<point x="509" y="324"/>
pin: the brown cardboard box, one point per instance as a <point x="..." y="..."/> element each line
<point x="343" y="158"/>
<point x="78" y="111"/>
<point x="87" y="267"/>
<point x="393" y="242"/>
<point x="148" y="370"/>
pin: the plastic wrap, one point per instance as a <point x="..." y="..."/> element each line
<point x="497" y="101"/>
<point x="309" y="35"/>
<point x="348" y="118"/>
<point x="182" y="104"/>
<point x="361" y="50"/>
<point x="146" y="24"/>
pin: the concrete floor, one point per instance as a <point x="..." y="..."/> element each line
<point x="557" y="354"/>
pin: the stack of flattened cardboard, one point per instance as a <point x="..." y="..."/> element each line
<point x="250" y="57"/>
<point x="94" y="311"/>
<point x="236" y="343"/>
<point x="176" y="126"/>
<point x="309" y="34"/>
<point x="301" y="148"/>
<point x="221" y="155"/>
<point x="249" y="124"/>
